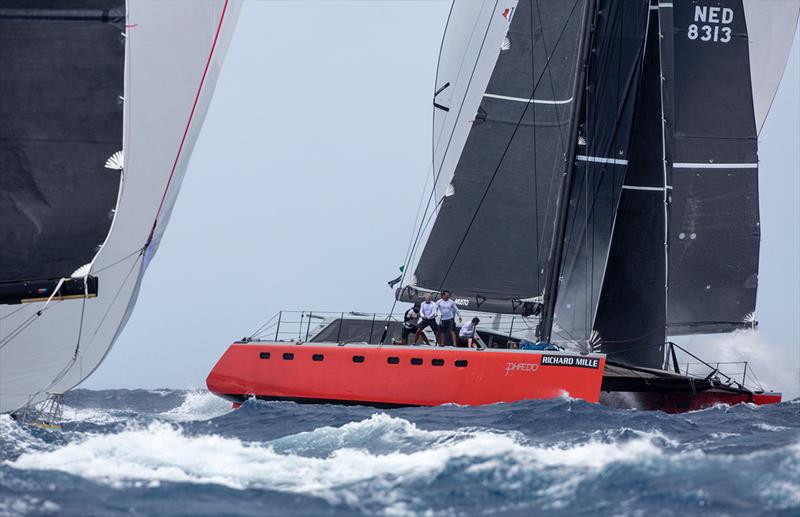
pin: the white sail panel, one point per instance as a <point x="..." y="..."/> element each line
<point x="472" y="41"/>
<point x="174" y="52"/>
<point x="771" y="26"/>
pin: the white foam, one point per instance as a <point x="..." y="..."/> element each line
<point x="344" y="473"/>
<point x="27" y="505"/>
<point x="15" y="438"/>
<point x="377" y="464"/>
<point x="768" y="427"/>
<point x="198" y="405"/>
<point x="92" y="415"/>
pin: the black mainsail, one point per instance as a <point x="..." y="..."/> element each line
<point x="714" y="230"/>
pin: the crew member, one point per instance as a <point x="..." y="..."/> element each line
<point x="411" y="324"/>
<point x="428" y="312"/>
<point x="466" y="336"/>
<point x="448" y="311"/>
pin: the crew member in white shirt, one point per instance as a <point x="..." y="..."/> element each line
<point x="448" y="311"/>
<point x="466" y="336"/>
<point x="428" y="311"/>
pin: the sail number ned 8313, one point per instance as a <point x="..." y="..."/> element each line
<point x="711" y="24"/>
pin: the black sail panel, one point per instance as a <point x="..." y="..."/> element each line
<point x="60" y="121"/>
<point x="714" y="228"/>
<point x="631" y="315"/>
<point x="607" y="115"/>
<point x="492" y="234"/>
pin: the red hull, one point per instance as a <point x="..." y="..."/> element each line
<point x="402" y="375"/>
<point x="685" y="401"/>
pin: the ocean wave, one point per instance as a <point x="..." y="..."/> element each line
<point x="388" y="465"/>
<point x="197" y="405"/>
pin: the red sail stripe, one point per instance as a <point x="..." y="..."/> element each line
<point x="188" y="123"/>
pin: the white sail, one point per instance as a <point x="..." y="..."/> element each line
<point x="472" y="41"/>
<point x="173" y="55"/>
<point x="771" y="26"/>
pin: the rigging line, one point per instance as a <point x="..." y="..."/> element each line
<point x="188" y="124"/>
<point x="590" y="202"/>
<point x="30" y="319"/>
<point x="259" y="329"/>
<point x="437" y="173"/>
<point x="24" y="306"/>
<point x="69" y="364"/>
<point x="752" y="373"/>
<point x="560" y="134"/>
<point x="497" y="168"/>
<point x="14" y="333"/>
<point x="116" y="295"/>
<point x="535" y="175"/>
<point x="60" y="375"/>
<point x="123" y="259"/>
<point x="555" y="257"/>
<point x="549" y="70"/>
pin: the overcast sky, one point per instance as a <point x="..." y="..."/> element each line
<point x="303" y="186"/>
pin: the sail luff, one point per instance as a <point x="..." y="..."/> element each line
<point x="562" y="204"/>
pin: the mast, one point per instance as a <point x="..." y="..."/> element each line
<point x="557" y="245"/>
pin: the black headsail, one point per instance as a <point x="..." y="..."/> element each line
<point x="60" y="123"/>
<point x="612" y="84"/>
<point x="631" y="315"/>
<point x="489" y="244"/>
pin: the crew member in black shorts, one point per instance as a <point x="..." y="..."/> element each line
<point x="428" y="312"/>
<point x="410" y="325"/>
